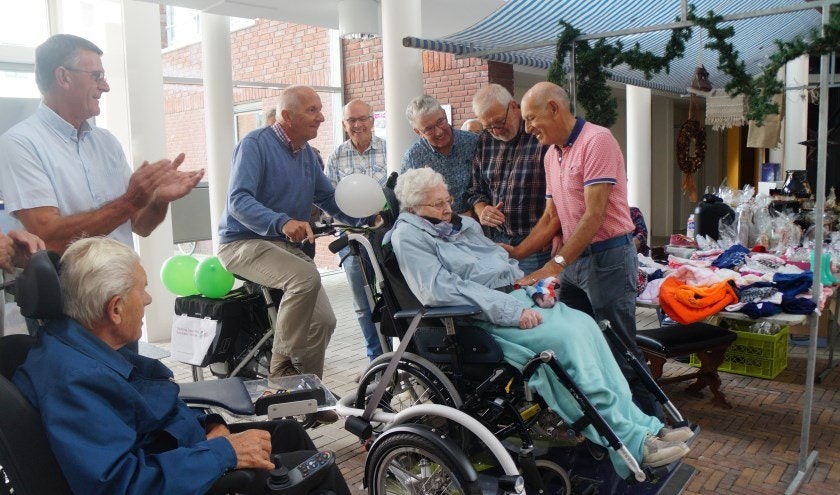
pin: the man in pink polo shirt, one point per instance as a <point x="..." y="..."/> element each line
<point x="586" y="192"/>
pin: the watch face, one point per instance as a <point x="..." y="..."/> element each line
<point x="560" y="260"/>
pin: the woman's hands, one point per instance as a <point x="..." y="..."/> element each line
<point x="529" y="319"/>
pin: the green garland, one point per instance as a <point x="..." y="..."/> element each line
<point x="592" y="64"/>
<point x="760" y="90"/>
<point x="593" y="61"/>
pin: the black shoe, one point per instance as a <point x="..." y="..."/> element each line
<point x="326" y="417"/>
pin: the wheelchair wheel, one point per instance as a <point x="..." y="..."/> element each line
<point x="415" y="381"/>
<point x="555" y="478"/>
<point x="405" y="463"/>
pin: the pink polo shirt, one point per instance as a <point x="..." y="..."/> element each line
<point x="590" y="156"/>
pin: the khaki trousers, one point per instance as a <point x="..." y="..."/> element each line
<point x="305" y="319"/>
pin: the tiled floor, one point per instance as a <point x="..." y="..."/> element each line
<point x="750" y="449"/>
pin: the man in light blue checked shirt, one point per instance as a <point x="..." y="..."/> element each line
<point x="363" y="153"/>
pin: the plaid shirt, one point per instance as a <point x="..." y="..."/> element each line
<point x="346" y="160"/>
<point x="512" y="172"/>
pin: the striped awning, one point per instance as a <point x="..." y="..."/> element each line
<point x="523" y="32"/>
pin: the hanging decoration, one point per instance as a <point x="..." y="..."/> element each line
<point x="592" y="64"/>
<point x="724" y="111"/>
<point x="691" y="151"/>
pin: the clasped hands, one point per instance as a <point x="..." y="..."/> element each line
<point x="160" y="182"/>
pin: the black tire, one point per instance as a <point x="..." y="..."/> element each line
<point x="394" y="467"/>
<point x="555" y="478"/>
<point x="415" y="381"/>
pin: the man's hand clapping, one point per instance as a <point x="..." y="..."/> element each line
<point x="160" y="181"/>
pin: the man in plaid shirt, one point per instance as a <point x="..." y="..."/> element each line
<point x="507" y="190"/>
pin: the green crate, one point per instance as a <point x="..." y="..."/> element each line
<point x="753" y="354"/>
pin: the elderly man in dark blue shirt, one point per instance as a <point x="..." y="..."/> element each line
<point x="445" y="150"/>
<point x="113" y="417"/>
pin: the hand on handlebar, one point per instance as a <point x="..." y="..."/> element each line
<point x="298" y="231"/>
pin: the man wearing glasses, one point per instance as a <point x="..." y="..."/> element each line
<point x="62" y="176"/>
<point x="507" y="190"/>
<point x="445" y="150"/>
<point x="363" y="153"/>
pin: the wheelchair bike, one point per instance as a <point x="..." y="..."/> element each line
<point x="445" y="413"/>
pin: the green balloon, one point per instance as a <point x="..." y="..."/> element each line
<point x="177" y="275"/>
<point x="211" y="278"/>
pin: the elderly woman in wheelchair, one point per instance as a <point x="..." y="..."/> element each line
<point x="113" y="418"/>
<point x="447" y="260"/>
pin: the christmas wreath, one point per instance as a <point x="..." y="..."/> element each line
<point x="691" y="151"/>
<point x="691" y="146"/>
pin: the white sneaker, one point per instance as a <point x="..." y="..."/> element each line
<point x="659" y="453"/>
<point x="675" y="434"/>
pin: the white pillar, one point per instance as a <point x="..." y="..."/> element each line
<point x="218" y="112"/>
<point x="638" y="149"/>
<point x="144" y="77"/>
<point x="403" y="74"/>
<point x="796" y="114"/>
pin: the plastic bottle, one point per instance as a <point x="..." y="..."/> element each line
<point x="690" y="228"/>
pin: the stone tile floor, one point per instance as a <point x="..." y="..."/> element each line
<point x="750" y="449"/>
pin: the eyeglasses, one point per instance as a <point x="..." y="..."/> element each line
<point x="441" y="203"/>
<point x="439" y="124"/>
<point x="97" y="75"/>
<point x="498" y="127"/>
<point x="355" y="120"/>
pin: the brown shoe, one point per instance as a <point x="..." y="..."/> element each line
<point x="326" y="417"/>
<point x="285" y="369"/>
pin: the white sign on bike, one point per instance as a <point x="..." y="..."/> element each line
<point x="191" y="338"/>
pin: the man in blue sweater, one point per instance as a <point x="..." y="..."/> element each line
<point x="275" y="179"/>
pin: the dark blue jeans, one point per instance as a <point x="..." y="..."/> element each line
<point x="603" y="285"/>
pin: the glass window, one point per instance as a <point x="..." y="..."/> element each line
<point x="29" y="25"/>
<point x="18" y="85"/>
<point x="183" y="26"/>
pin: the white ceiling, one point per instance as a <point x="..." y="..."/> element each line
<point x="439" y="17"/>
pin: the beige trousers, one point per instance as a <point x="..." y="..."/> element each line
<point x="305" y="319"/>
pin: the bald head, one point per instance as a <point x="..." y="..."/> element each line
<point x="544" y="92"/>
<point x="545" y="108"/>
<point x="300" y="114"/>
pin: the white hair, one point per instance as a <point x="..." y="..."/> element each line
<point x="488" y="96"/>
<point x="413" y="185"/>
<point x="291" y="97"/>
<point x="420" y="107"/>
<point x="94" y="270"/>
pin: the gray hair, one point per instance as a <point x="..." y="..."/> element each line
<point x="291" y="97"/>
<point x="488" y="96"/>
<point x="420" y="107"/>
<point x="412" y="186"/>
<point x="60" y="50"/>
<point x="544" y="91"/>
<point x="94" y="270"/>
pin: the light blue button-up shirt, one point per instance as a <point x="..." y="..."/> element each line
<point x="45" y="161"/>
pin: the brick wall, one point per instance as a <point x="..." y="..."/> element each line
<point x="450" y="80"/>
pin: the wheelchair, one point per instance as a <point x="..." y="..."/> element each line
<point x="27" y="464"/>
<point x="445" y="413"/>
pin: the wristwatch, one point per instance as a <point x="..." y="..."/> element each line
<point x="560" y="260"/>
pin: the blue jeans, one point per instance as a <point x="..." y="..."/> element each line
<point x="353" y="270"/>
<point x="527" y="264"/>
<point x="603" y="285"/>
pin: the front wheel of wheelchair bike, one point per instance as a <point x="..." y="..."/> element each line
<point x="415" y="381"/>
<point x="406" y="463"/>
<point x="554" y="477"/>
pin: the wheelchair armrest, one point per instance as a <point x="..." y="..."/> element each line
<point x="228" y="393"/>
<point x="440" y="312"/>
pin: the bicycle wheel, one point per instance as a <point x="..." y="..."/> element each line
<point x="408" y="464"/>
<point x="415" y="381"/>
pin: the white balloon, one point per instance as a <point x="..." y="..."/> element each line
<point x="359" y="196"/>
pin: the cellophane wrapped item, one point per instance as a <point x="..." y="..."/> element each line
<point x="785" y="234"/>
<point x="762" y="222"/>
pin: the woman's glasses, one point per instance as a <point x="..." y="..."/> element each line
<point x="441" y="203"/>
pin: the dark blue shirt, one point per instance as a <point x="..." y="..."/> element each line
<point x="114" y="420"/>
<point x="456" y="167"/>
